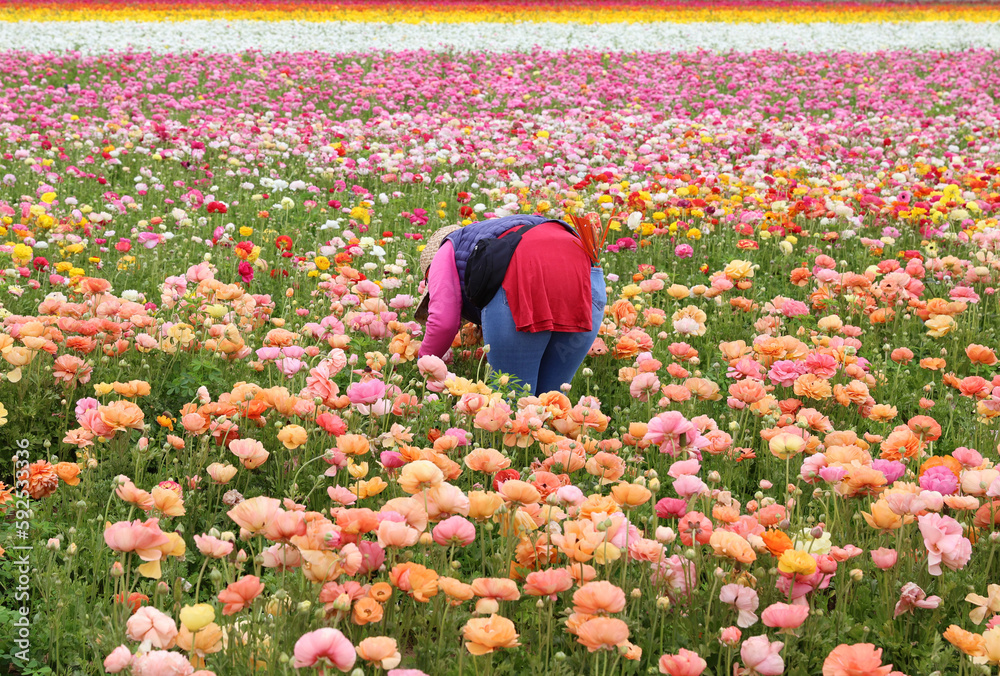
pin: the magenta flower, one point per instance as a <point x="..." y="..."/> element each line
<point x="940" y="479"/>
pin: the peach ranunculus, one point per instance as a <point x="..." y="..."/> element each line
<point x="167" y="502"/>
<point x="255" y="514"/>
<point x="487" y="460"/>
<point x="251" y="452"/>
<point x="731" y="546"/>
<point x="485" y="634"/>
<point x="601" y="597"/>
<point x="380" y="651"/>
<point x="292" y="436"/>
<point x="602" y="633"/>
<point x="419" y="475"/>
<point x="121" y="415"/>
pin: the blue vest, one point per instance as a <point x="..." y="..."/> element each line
<point x="464" y="240"/>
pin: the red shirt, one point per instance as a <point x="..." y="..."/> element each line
<point x="548" y="281"/>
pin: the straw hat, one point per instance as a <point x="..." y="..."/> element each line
<point x="426" y="256"/>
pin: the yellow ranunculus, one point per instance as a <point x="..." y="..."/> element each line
<point x="198" y="616"/>
<point x="795" y="562"/>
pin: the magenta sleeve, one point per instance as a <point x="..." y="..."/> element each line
<point x="444" y="310"/>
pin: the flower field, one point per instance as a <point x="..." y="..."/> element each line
<point x="226" y="458"/>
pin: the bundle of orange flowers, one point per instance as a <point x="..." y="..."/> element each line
<point x="593" y="232"/>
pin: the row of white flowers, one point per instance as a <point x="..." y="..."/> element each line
<point x="235" y="36"/>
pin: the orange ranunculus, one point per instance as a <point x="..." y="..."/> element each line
<point x="883" y="518"/>
<point x="485" y="634"/>
<point x="932" y="363"/>
<point x="926" y="427"/>
<point x="980" y="354"/>
<point x="240" y="594"/>
<point x="862" y="481"/>
<point x="381" y="592"/>
<point x="42" y="479"/>
<point x="519" y="492"/>
<point x="901" y="443"/>
<point x="419" y="582"/>
<point x="366" y="611"/>
<point x="69" y="472"/>
<point x="630" y="495"/>
<point x="776" y="542"/>
<point x="292" y="436"/>
<point x="971" y="644"/>
<point x="484" y="504"/>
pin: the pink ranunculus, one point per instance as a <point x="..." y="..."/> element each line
<point x="760" y="656"/>
<point x="884" y="558"/>
<point x="969" y="457"/>
<point x="940" y="479"/>
<point x="671" y="508"/>
<point x="683" y="468"/>
<point x="213" y="547"/>
<point x="912" y="596"/>
<point x="432" y="368"/>
<point x="326" y="647"/>
<point x="744" y="600"/>
<point x="730" y="636"/>
<point x="671" y="431"/>
<point x="119" y="660"/>
<point x="143" y="538"/>
<point x="784" y="616"/>
<point x="455" y="530"/>
<point x="366" y="392"/>
<point x="684" y="663"/>
<point x="643" y="386"/>
<point x="155" y="626"/>
<point x="944" y="542"/>
<point x="161" y="663"/>
<point x="688" y="485"/>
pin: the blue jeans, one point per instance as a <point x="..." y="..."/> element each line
<point x="543" y="360"/>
